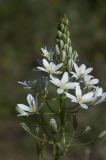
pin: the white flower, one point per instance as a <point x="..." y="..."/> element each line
<point x="50" y="68"/>
<point x="63" y="84"/>
<point x="89" y="82"/>
<point x="79" y="98"/>
<point x="99" y="95"/>
<point x="25" y="110"/>
<point x="80" y="71"/>
<point x="46" y="53"/>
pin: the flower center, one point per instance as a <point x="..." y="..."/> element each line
<point x="33" y="109"/>
<point x="81" y="72"/>
<point x="62" y="84"/>
<point x="79" y="98"/>
<point x="51" y="69"/>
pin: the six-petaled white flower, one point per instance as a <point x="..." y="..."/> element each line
<point x="45" y="53"/>
<point x="80" y="71"/>
<point x="50" y="68"/>
<point x="25" y="110"/>
<point x="64" y="83"/>
<point x="79" y="98"/>
<point x="89" y="82"/>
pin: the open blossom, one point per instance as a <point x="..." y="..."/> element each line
<point x="25" y="110"/>
<point x="80" y="71"/>
<point x="45" y="53"/>
<point x="90" y="81"/>
<point x="63" y="84"/>
<point x="100" y="96"/>
<point x="79" y="98"/>
<point x="50" y="68"/>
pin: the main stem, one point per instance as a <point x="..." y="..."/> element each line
<point x="59" y="151"/>
<point x="62" y="123"/>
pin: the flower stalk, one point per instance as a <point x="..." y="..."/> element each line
<point x="55" y="99"/>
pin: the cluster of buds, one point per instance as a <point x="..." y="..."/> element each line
<point x="63" y="47"/>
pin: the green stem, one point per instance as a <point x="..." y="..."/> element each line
<point x="54" y="151"/>
<point x="41" y="151"/>
<point x="62" y="123"/>
<point x="50" y="107"/>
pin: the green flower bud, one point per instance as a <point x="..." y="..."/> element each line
<point x="63" y="56"/>
<point x="67" y="21"/>
<point x="75" y="55"/>
<point x="68" y="41"/>
<point x="70" y="64"/>
<point x="61" y="44"/>
<point x="57" y="49"/>
<point x="62" y="27"/>
<point x="70" y="51"/>
<point x="65" y="30"/>
<point x="64" y="37"/>
<point x="59" y="34"/>
<point x="68" y="34"/>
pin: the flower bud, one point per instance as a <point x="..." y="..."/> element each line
<point x="67" y="21"/>
<point x="63" y="56"/>
<point x="59" y="34"/>
<point x="57" y="49"/>
<point x="68" y="34"/>
<point x="53" y="125"/>
<point x="65" y="30"/>
<point x="70" y="64"/>
<point x="64" y="37"/>
<point x="70" y="52"/>
<point x="66" y="48"/>
<point x="68" y="41"/>
<point x="62" y="26"/>
<point x="75" y="55"/>
<point x="61" y="44"/>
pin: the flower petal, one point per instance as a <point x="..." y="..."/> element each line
<point x="58" y="72"/>
<point x="42" y="69"/>
<point x="45" y="63"/>
<point x="65" y="77"/>
<point x="84" y="106"/>
<point x="71" y="85"/>
<point x="74" y="75"/>
<point x="59" y="66"/>
<point x="30" y="100"/>
<point x="23" y="107"/>
<point x="73" y="98"/>
<point x="88" y="97"/>
<point x="94" y="81"/>
<point x="76" y="67"/>
<point x="46" y="53"/>
<point x="78" y="91"/>
<point x="82" y="68"/>
<point x="98" y="91"/>
<point x="88" y="70"/>
<point x="22" y="113"/>
<point x="60" y="91"/>
<point x="55" y="81"/>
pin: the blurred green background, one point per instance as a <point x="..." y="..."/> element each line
<point x="25" y="27"/>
